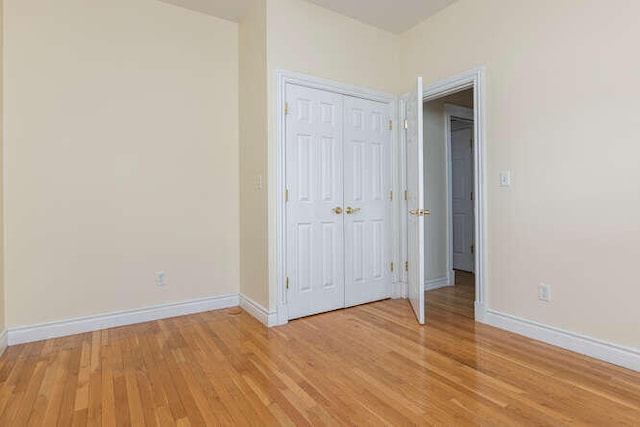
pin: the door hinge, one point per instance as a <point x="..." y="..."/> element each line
<point x="406" y="124"/>
<point x="406" y="194"/>
<point x="287" y="282"/>
<point x="406" y="266"/>
<point x="286" y="108"/>
<point x="286" y="195"/>
<point x="472" y="195"/>
<point x="390" y="125"/>
<point x="391" y="267"/>
<point x="473" y="249"/>
<point x="390" y="195"/>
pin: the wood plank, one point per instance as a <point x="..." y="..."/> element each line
<point x="370" y="364"/>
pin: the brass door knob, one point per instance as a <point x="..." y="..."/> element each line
<point x="351" y="210"/>
<point x="420" y="212"/>
<point x="337" y="210"/>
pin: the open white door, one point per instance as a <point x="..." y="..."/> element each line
<point x="415" y="189"/>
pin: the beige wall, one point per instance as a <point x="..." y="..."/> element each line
<point x="561" y="79"/>
<point x="253" y="155"/>
<point x="122" y="156"/>
<point x="308" y="39"/>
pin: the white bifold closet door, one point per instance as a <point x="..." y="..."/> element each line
<point x="338" y="211"/>
<point x="315" y="235"/>
<point x="367" y="196"/>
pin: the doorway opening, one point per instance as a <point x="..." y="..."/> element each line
<point x="449" y="183"/>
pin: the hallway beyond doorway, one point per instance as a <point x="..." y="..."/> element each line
<point x="458" y="299"/>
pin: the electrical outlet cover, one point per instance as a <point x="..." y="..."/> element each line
<point x="161" y="278"/>
<point x="544" y="292"/>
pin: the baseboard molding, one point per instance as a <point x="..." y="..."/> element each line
<point x="626" y="357"/>
<point x="438" y="283"/>
<point x="81" y="325"/>
<point x="397" y="289"/>
<point x="263" y="315"/>
<point x="4" y="342"/>
<point x="480" y="312"/>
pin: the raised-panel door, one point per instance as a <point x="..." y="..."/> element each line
<point x="367" y="185"/>
<point x="462" y="198"/>
<point x="314" y="176"/>
<point x="415" y="202"/>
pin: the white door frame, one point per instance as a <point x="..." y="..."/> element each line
<point x="452" y="111"/>
<point x="472" y="79"/>
<point x="287" y="77"/>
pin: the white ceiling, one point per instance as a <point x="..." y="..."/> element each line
<point x="391" y="15"/>
<point x="231" y="10"/>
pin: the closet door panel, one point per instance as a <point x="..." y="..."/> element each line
<point x="315" y="230"/>
<point x="367" y="184"/>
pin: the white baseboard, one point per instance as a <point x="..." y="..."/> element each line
<point x="4" y="341"/>
<point x="626" y="357"/>
<point x="80" y="325"/>
<point x="263" y="315"/>
<point x="480" y="312"/>
<point x="438" y="283"/>
<point x="282" y="315"/>
<point x="397" y="290"/>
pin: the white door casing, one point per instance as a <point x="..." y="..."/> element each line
<point x="315" y="239"/>
<point x="367" y="201"/>
<point x="415" y="190"/>
<point x="462" y="198"/>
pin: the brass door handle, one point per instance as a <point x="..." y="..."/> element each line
<point x="351" y="210"/>
<point x="337" y="210"/>
<point x="420" y="212"/>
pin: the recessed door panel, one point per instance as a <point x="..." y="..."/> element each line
<point x="357" y="247"/>
<point x="305" y="257"/>
<point x="329" y="259"/>
<point x="304" y="173"/>
<point x="377" y="171"/>
<point x="330" y="149"/>
<point x="378" y="248"/>
<point x="357" y="169"/>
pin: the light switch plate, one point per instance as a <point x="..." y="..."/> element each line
<point x="505" y="179"/>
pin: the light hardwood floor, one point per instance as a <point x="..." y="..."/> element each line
<point x="457" y="299"/>
<point x="368" y="365"/>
